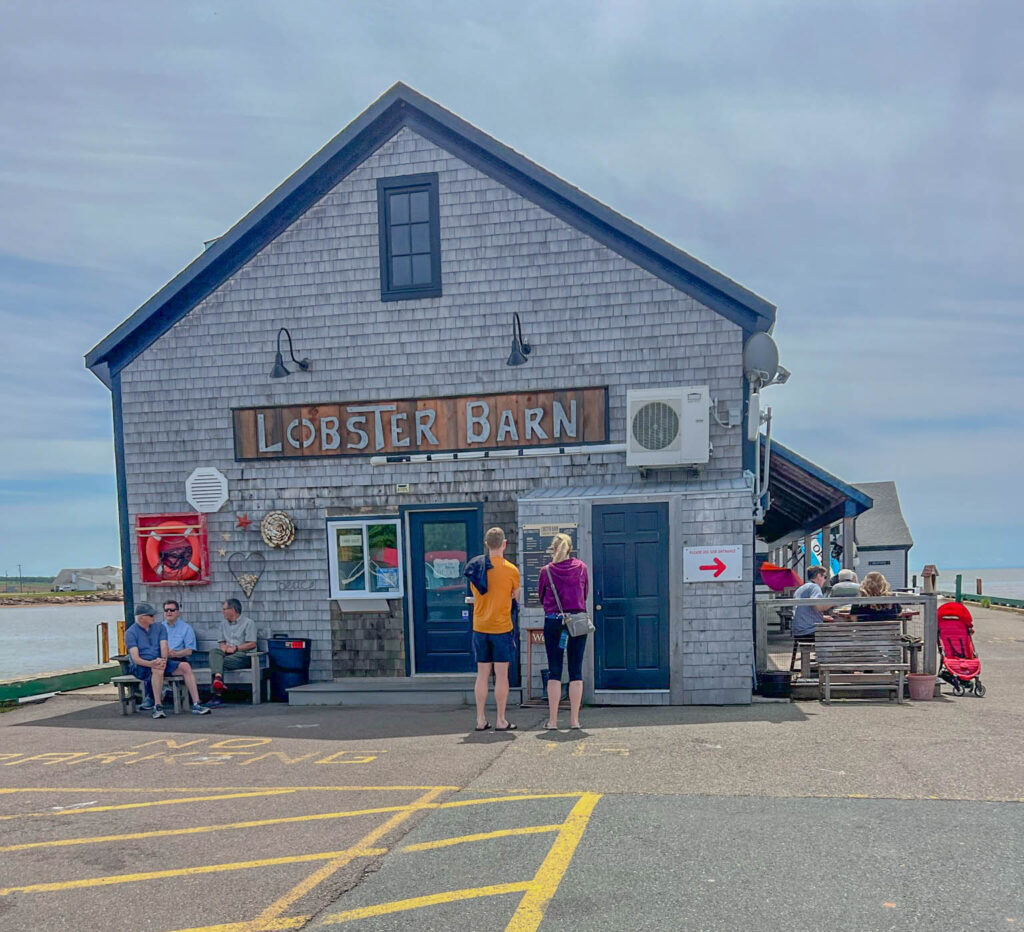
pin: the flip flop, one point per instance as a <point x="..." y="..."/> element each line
<point x="549" y="727"/>
<point x="511" y="726"/>
<point x="486" y="726"/>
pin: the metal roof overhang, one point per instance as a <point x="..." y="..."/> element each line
<point x="804" y="497"/>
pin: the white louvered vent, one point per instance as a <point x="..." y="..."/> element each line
<point x="206" y="489"/>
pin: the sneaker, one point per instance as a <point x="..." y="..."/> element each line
<point x="213" y="703"/>
<point x="218" y="685"/>
<point x="147" y="704"/>
<point x="199" y="709"/>
<point x="158" y="712"/>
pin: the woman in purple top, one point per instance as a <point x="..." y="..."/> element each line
<point x="567" y="576"/>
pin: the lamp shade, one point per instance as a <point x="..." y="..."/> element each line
<point x="520" y="350"/>
<point x="279" y="371"/>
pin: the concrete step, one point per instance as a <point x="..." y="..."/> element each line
<point x="394" y="690"/>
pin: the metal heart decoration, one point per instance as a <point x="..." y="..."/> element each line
<point x="247" y="568"/>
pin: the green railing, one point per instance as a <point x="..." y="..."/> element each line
<point x="56" y="682"/>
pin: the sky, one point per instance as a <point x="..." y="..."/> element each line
<point x="857" y="164"/>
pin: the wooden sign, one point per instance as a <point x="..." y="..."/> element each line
<point x="572" y="417"/>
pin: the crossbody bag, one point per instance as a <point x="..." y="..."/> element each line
<point x="576" y="623"/>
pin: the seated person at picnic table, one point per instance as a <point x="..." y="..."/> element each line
<point x="875" y="584"/>
<point x="146" y="642"/>
<point x="846" y="586"/>
<point x="805" y="617"/>
<point x="237" y="640"/>
<point x="181" y="642"/>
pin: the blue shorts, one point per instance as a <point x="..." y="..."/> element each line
<point x="146" y="673"/>
<point x="494" y="648"/>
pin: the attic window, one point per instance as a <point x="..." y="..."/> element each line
<point x="410" y="237"/>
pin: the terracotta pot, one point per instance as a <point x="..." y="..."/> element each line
<point x="922" y="685"/>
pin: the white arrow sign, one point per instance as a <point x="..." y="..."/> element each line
<point x="713" y="564"/>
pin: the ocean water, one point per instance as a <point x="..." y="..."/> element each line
<point x="48" y="638"/>
<point x="1006" y="583"/>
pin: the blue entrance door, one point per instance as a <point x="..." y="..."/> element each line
<point x="440" y="542"/>
<point x="631" y="596"/>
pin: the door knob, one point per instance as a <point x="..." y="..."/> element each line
<point x="597" y="608"/>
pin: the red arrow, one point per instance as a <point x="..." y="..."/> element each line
<point x="718" y="566"/>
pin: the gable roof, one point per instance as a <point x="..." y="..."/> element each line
<point x="883" y="525"/>
<point x="402" y="106"/>
<point x="804" y="497"/>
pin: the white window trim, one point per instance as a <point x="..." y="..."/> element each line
<point x="361" y="524"/>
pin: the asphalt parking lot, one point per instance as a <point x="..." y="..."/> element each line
<point x="860" y="816"/>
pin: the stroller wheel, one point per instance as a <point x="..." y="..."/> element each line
<point x="958" y="688"/>
<point x="979" y="690"/>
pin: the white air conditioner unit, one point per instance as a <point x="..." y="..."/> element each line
<point x="668" y="426"/>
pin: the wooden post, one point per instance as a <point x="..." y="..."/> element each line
<point x="978" y="584"/>
<point x="959" y="587"/>
<point x="929" y="658"/>
<point x="760" y="639"/>
<point x="848" y="531"/>
<point x="808" y="550"/>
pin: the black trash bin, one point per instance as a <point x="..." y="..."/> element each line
<point x="289" y="664"/>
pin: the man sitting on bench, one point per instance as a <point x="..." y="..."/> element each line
<point x="146" y="641"/>
<point x="237" y="639"/>
<point x="181" y="641"/>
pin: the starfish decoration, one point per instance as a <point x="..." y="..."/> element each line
<point x="243" y="522"/>
<point x="222" y="552"/>
<point x="225" y="535"/>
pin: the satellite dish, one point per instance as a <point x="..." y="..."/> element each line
<point x="760" y="359"/>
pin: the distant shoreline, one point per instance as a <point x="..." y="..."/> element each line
<point x="59" y="598"/>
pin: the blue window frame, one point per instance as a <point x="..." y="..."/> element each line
<point x="410" y="237"/>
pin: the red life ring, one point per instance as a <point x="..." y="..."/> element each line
<point x="170" y="562"/>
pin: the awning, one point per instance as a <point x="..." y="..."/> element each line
<point x="804" y="497"/>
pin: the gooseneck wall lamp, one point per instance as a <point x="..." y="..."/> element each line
<point x="520" y="350"/>
<point x="280" y="370"/>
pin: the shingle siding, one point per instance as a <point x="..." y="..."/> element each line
<point x="592" y="317"/>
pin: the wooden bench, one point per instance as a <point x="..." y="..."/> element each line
<point x="254" y="677"/>
<point x="129" y="689"/>
<point x="860" y="655"/>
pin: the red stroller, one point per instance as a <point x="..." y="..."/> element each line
<point x="961" y="667"/>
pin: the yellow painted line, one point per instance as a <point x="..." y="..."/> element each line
<point x="152" y="802"/>
<point x="188" y="871"/>
<point x="255" y="823"/>
<point x="287" y="922"/>
<point x="455" y="803"/>
<point x="480" y="836"/>
<point x="212" y="789"/>
<point x="283" y="903"/>
<point x="203" y="829"/>
<point x="417" y="902"/>
<point x="549" y="875"/>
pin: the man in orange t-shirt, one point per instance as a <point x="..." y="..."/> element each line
<point x="493" y="641"/>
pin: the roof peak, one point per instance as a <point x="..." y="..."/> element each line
<point x="401" y="105"/>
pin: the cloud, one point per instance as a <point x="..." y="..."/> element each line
<point x="30" y="459"/>
<point x="74" y="530"/>
<point x="857" y="164"/>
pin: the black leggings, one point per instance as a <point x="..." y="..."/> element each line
<point x="553" y="629"/>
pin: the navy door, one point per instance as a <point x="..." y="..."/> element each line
<point x="440" y="542"/>
<point x="631" y="588"/>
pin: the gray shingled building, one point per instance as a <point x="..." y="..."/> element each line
<point x="396" y="259"/>
<point x="883" y="538"/>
